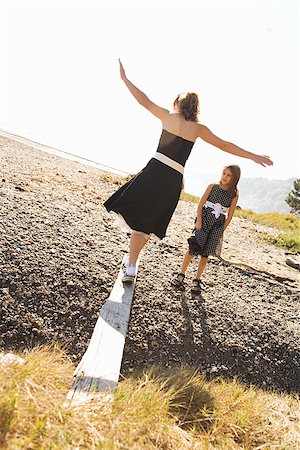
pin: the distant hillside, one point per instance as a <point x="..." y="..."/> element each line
<point x="262" y="195"/>
<point x="259" y="194"/>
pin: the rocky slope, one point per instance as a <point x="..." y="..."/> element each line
<point x="60" y="254"/>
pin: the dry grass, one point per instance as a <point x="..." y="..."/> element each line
<point x="114" y="179"/>
<point x="290" y="240"/>
<point x="284" y="222"/>
<point x="189" y="197"/>
<point x="287" y="224"/>
<point x="152" y="410"/>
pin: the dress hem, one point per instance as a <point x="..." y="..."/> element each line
<point x="120" y="223"/>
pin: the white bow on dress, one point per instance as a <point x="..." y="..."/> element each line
<point x="217" y="209"/>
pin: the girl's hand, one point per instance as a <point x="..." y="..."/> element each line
<point x="263" y="160"/>
<point x="122" y="71"/>
<point x="198" y="225"/>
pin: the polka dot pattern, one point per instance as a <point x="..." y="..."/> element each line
<point x="208" y="240"/>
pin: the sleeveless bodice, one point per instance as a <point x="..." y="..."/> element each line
<point x="175" y="147"/>
<point x="218" y="195"/>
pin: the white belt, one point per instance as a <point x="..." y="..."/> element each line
<point x="217" y="209"/>
<point x="169" y="162"/>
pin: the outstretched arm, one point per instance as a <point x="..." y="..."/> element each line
<point x="142" y="98"/>
<point x="208" y="136"/>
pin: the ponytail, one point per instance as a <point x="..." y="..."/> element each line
<point x="188" y="104"/>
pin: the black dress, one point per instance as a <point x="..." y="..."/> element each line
<point x="208" y="240"/>
<point x="148" y="201"/>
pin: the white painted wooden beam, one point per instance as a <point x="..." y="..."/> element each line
<point x="98" y="372"/>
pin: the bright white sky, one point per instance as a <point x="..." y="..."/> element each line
<point x="60" y="81"/>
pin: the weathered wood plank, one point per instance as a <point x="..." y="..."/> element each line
<point x="98" y="372"/>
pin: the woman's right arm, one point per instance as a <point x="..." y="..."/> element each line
<point x="201" y="203"/>
<point x="142" y="98"/>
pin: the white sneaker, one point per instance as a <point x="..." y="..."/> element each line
<point x="130" y="274"/>
<point x="125" y="263"/>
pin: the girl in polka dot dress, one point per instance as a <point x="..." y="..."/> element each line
<point x="214" y="213"/>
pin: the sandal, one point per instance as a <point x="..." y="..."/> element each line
<point x="178" y="280"/>
<point x="196" y="286"/>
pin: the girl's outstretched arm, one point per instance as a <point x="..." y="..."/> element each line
<point x="208" y="136"/>
<point x="231" y="211"/>
<point x="142" y="98"/>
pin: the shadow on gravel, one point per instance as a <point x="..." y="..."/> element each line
<point x="193" y="333"/>
<point x="235" y="362"/>
<point x="189" y="338"/>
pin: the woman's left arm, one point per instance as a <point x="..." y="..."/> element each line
<point x="229" y="147"/>
<point x="231" y="211"/>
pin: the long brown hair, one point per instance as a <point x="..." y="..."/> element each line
<point x="236" y="175"/>
<point x="188" y="104"/>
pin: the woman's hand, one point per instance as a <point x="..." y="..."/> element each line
<point x="122" y="71"/>
<point x="263" y="160"/>
<point x="205" y="134"/>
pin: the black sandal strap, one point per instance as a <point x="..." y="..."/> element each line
<point x="180" y="277"/>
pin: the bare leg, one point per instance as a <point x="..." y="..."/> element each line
<point x="137" y="242"/>
<point x="201" y="266"/>
<point x="186" y="261"/>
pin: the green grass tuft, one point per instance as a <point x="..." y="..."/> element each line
<point x="290" y="240"/>
<point x="284" y="222"/>
<point x="288" y="226"/>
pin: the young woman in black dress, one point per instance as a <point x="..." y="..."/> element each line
<point x="147" y="202"/>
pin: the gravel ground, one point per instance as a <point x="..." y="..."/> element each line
<point x="60" y="255"/>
